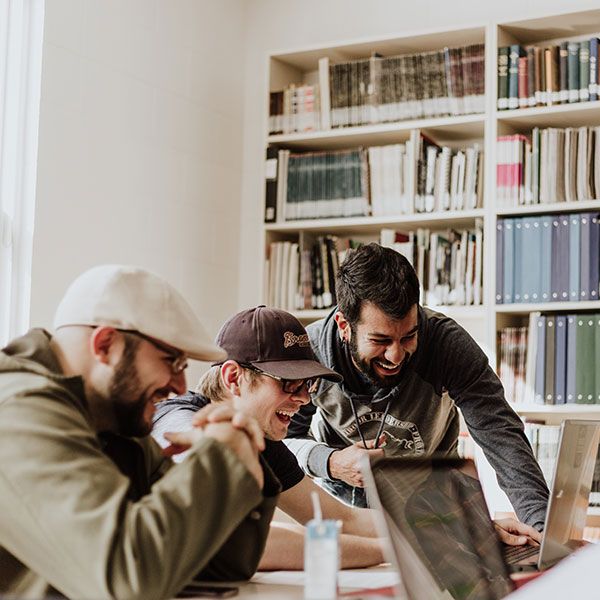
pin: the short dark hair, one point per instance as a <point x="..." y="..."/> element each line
<point x="372" y="273"/>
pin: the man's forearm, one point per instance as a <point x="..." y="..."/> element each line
<point x="312" y="456"/>
<point x="285" y="549"/>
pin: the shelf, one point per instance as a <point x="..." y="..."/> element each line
<point x="524" y="309"/>
<point x="306" y="316"/>
<point x="455" y="312"/>
<point x="577" y="114"/>
<point x="557" y="207"/>
<point x="374" y="224"/>
<point x="306" y="60"/>
<point x="577" y="410"/>
<point x="551" y="27"/>
<point x="460" y="312"/>
<point x="465" y="127"/>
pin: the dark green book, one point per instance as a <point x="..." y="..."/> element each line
<point x="573" y="71"/>
<point x="503" y="77"/>
<point x="597" y="357"/>
<point x="563" y="71"/>
<point x="586" y="367"/>
<point x="513" y="75"/>
<point x="584" y="71"/>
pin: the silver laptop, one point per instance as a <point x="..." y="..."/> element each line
<point x="442" y="539"/>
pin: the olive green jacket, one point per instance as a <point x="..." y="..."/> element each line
<point x="99" y="516"/>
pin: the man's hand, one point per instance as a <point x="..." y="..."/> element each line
<point x="235" y="439"/>
<point x="515" y="533"/>
<point x="345" y="464"/>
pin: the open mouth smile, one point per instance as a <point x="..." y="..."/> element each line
<point x="285" y="416"/>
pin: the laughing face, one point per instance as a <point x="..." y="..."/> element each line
<point x="265" y="400"/>
<point x="142" y="378"/>
<point x="381" y="346"/>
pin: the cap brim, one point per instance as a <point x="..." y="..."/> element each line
<point x="298" y="369"/>
<point x="206" y="353"/>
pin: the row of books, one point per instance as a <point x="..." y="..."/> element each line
<point x="314" y="185"/>
<point x="554" y="360"/>
<point x="446" y="179"/>
<point x="544" y="440"/>
<point x="448" y="263"/>
<point x="303" y="278"/>
<point x="548" y="258"/>
<point x="448" y="81"/>
<point x="551" y="165"/>
<point x="296" y="108"/>
<point x="417" y="176"/>
<point x="543" y="76"/>
<point x="380" y="89"/>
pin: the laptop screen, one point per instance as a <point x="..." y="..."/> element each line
<point x="443" y="539"/>
<point x="569" y="498"/>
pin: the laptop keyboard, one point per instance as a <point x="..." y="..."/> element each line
<point x="513" y="554"/>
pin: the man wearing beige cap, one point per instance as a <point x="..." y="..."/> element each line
<point x="89" y="506"/>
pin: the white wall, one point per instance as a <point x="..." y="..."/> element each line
<point x="140" y="147"/>
<point x="276" y="25"/>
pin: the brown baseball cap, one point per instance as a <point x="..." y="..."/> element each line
<point x="273" y="341"/>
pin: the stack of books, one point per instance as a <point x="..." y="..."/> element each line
<point x="512" y="354"/>
<point x="449" y="81"/>
<point x="448" y="263"/>
<point x="551" y="165"/>
<point x="417" y="176"/>
<point x="548" y="258"/>
<point x="554" y="360"/>
<point x="294" y="109"/>
<point x="303" y="279"/>
<point x="543" y="76"/>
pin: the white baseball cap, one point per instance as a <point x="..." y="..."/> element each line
<point x="131" y="298"/>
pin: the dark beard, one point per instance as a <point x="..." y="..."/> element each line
<point x="128" y="403"/>
<point x="368" y="371"/>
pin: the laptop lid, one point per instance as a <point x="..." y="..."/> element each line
<point x="570" y="491"/>
<point x="435" y="516"/>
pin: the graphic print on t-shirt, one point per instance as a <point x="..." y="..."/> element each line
<point x="401" y="437"/>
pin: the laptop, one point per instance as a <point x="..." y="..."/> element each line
<point x="443" y="542"/>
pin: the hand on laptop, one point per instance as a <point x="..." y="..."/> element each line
<point x="515" y="533"/>
<point x="345" y="464"/>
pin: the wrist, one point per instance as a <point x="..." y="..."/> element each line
<point x="331" y="468"/>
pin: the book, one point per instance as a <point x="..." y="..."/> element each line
<point x="503" y="78"/>
<point x="560" y="370"/>
<point x="271" y="169"/>
<point x="515" y="52"/>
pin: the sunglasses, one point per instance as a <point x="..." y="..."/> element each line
<point x="289" y="386"/>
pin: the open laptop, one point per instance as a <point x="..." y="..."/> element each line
<point x="443" y="541"/>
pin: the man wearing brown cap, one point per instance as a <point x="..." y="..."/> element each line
<point x="89" y="506"/>
<point x="269" y="371"/>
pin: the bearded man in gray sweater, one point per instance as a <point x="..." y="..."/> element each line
<point x="406" y="370"/>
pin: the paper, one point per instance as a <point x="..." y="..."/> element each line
<point x="351" y="578"/>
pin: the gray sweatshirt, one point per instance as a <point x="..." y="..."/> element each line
<point x="448" y="370"/>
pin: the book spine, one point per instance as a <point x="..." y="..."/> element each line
<point x="584" y="71"/>
<point x="573" y="71"/>
<point x="531" y="76"/>
<point x="513" y="76"/>
<point x="563" y="70"/>
<point x="522" y="82"/>
<point x="503" y="78"/>
<point x="593" y="69"/>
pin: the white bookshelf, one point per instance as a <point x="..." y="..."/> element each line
<point x="483" y="321"/>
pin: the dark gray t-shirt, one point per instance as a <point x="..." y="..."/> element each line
<point x="448" y="370"/>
